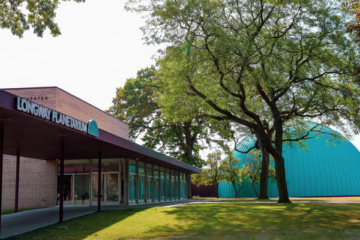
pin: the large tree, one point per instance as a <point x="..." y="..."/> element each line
<point x="257" y="64"/>
<point x="181" y="139"/>
<point x="20" y="15"/>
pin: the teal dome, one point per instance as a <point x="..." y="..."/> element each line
<point x="325" y="170"/>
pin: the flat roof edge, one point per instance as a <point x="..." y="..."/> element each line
<point x="55" y="87"/>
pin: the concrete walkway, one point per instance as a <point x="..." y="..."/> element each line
<point x="17" y="223"/>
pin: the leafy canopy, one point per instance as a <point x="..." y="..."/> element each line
<point x="182" y="139"/>
<point x="353" y="25"/>
<point x="257" y="64"/>
<point x="20" y="15"/>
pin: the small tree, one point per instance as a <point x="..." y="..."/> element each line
<point x="232" y="174"/>
<point x="252" y="168"/>
<point x="212" y="175"/>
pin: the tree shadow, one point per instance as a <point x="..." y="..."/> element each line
<point x="82" y="227"/>
<point x="213" y="221"/>
<point x="261" y="220"/>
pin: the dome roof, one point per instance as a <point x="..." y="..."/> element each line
<point x="322" y="169"/>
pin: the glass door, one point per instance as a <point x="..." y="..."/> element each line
<point x="81" y="189"/>
<point x="109" y="191"/>
<point x="95" y="188"/>
<point x="67" y="190"/>
<point x="112" y="187"/>
<point x="76" y="189"/>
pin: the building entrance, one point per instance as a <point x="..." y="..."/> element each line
<point x="81" y="182"/>
<point x="76" y="189"/>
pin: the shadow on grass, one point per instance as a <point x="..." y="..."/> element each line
<point x="214" y="221"/>
<point x="81" y="227"/>
<point x="308" y="221"/>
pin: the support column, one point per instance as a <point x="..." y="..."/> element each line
<point x="1" y="167"/>
<point x="17" y="182"/>
<point x="61" y="185"/>
<point x="99" y="182"/>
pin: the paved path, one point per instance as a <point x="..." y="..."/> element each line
<point x="17" y="223"/>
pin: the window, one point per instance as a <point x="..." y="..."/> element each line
<point x="177" y="186"/>
<point x="141" y="180"/>
<point x="162" y="184"/>
<point x="132" y="181"/>
<point x="168" y="185"/>
<point x="156" y="183"/>
<point x="172" y="185"/>
<point x="149" y="182"/>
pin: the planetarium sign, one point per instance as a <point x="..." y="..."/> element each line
<point x="37" y="110"/>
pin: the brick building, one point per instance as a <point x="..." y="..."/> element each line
<point x="40" y="131"/>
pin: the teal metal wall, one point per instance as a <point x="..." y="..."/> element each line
<point x="325" y="170"/>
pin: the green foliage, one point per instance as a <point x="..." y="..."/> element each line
<point x="353" y="25"/>
<point x="39" y="14"/>
<point x="257" y="64"/>
<point x="212" y="173"/>
<point x="182" y="139"/>
<point x="232" y="174"/>
<point x="252" y="168"/>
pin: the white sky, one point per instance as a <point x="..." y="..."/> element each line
<point x="100" y="47"/>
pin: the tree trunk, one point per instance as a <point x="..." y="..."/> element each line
<point x="279" y="160"/>
<point x="281" y="179"/>
<point x="216" y="186"/>
<point x="264" y="176"/>
<point x="235" y="189"/>
<point x="253" y="184"/>
<point x="188" y="181"/>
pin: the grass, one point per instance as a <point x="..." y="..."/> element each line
<point x="294" y="200"/>
<point x="8" y="211"/>
<point x="219" y="220"/>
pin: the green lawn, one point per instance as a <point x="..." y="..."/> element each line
<point x="223" y="220"/>
<point x="8" y="211"/>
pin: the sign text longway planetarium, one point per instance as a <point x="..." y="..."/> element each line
<point x="49" y="114"/>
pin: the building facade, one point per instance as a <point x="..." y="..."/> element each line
<point x="127" y="177"/>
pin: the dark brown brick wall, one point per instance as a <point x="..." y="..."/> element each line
<point x="72" y="106"/>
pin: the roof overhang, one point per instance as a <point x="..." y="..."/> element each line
<point x="39" y="138"/>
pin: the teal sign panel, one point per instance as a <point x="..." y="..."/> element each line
<point x="325" y="170"/>
<point x="93" y="128"/>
